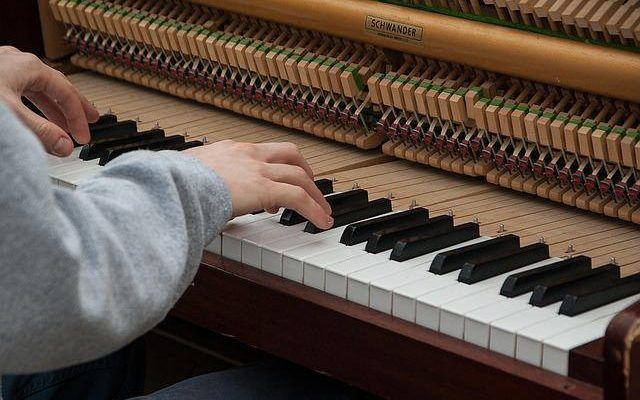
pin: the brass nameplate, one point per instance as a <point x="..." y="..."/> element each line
<point x="393" y="30"/>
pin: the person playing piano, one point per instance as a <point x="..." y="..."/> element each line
<point x="84" y="273"/>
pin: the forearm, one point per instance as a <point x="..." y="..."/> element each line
<point x="85" y="272"/>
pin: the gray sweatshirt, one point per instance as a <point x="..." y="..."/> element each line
<point x="84" y="272"/>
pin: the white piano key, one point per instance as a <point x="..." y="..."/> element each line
<point x="477" y="323"/>
<point x="78" y="176"/>
<point x="502" y="337"/>
<point x="253" y="243"/>
<point x="314" y="267"/>
<point x="529" y="340"/>
<point x="241" y="227"/>
<point x="294" y="259"/>
<point x="452" y="314"/>
<point x="336" y="274"/>
<point x="358" y="282"/>
<point x="555" y="352"/>
<point x="272" y="252"/>
<point x="381" y="289"/>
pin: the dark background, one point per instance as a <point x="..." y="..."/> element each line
<point x="20" y="25"/>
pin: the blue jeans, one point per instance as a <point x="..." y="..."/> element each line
<point x="121" y="375"/>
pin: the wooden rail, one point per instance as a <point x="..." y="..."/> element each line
<point x="590" y="68"/>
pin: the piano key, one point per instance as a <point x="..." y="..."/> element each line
<point x="103" y="120"/>
<point x="270" y="231"/>
<point x="272" y="252"/>
<point x="386" y="239"/>
<point x="381" y="280"/>
<point x="414" y="247"/>
<point x="347" y="216"/>
<point x="556" y="350"/>
<point x="502" y="335"/>
<point x="430" y="305"/>
<point x="408" y="286"/>
<point x="477" y="323"/>
<point x="452" y="260"/>
<point x="590" y="281"/>
<point x="518" y="284"/>
<point x="294" y="258"/>
<point x="114" y="131"/>
<point x="361" y="231"/>
<point x="237" y="229"/>
<point x="336" y="274"/>
<point x="153" y="144"/>
<point x="96" y="149"/>
<point x="325" y="186"/>
<point x="472" y="273"/>
<point x="381" y="289"/>
<point x="453" y="315"/>
<point x="530" y="340"/>
<point x="314" y="267"/>
<point x="575" y="304"/>
<point x="188" y="145"/>
<point x="351" y="198"/>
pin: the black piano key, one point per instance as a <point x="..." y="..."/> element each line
<point x="155" y="145"/>
<point x="573" y="305"/>
<point x="94" y="150"/>
<point x="351" y="198"/>
<point x="119" y="130"/>
<point x="417" y="246"/>
<point x="386" y="239"/>
<point x="491" y="249"/>
<point x="325" y="186"/>
<point x="189" y="145"/>
<point x="584" y="283"/>
<point x="561" y="271"/>
<point x="476" y="272"/>
<point x="345" y="216"/>
<point x="103" y="120"/>
<point x="361" y="231"/>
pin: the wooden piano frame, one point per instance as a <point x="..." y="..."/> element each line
<point x="393" y="358"/>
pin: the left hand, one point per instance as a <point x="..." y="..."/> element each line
<point x="67" y="111"/>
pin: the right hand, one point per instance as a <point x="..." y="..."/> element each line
<point x="266" y="176"/>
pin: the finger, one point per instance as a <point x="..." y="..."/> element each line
<point x="49" y="108"/>
<point x="296" y="176"/>
<point x="53" y="138"/>
<point x="60" y="90"/>
<point x="89" y="110"/>
<point x="282" y="153"/>
<point x="296" y="198"/>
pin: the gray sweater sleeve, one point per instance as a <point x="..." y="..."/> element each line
<point x="84" y="272"/>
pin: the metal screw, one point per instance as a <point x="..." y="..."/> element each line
<point x="450" y="212"/>
<point x="476" y="221"/>
<point x="413" y="204"/>
<point x="355" y="186"/>
<point x="501" y="228"/>
<point x="542" y="240"/>
<point x="205" y="140"/>
<point x="570" y="249"/>
<point x="613" y="261"/>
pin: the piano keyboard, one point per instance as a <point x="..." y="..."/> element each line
<point x="499" y="291"/>
<point x="448" y="253"/>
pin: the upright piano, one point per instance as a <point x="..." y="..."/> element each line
<point x="481" y="158"/>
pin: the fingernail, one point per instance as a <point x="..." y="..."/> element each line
<point x="329" y="222"/>
<point x="61" y="145"/>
